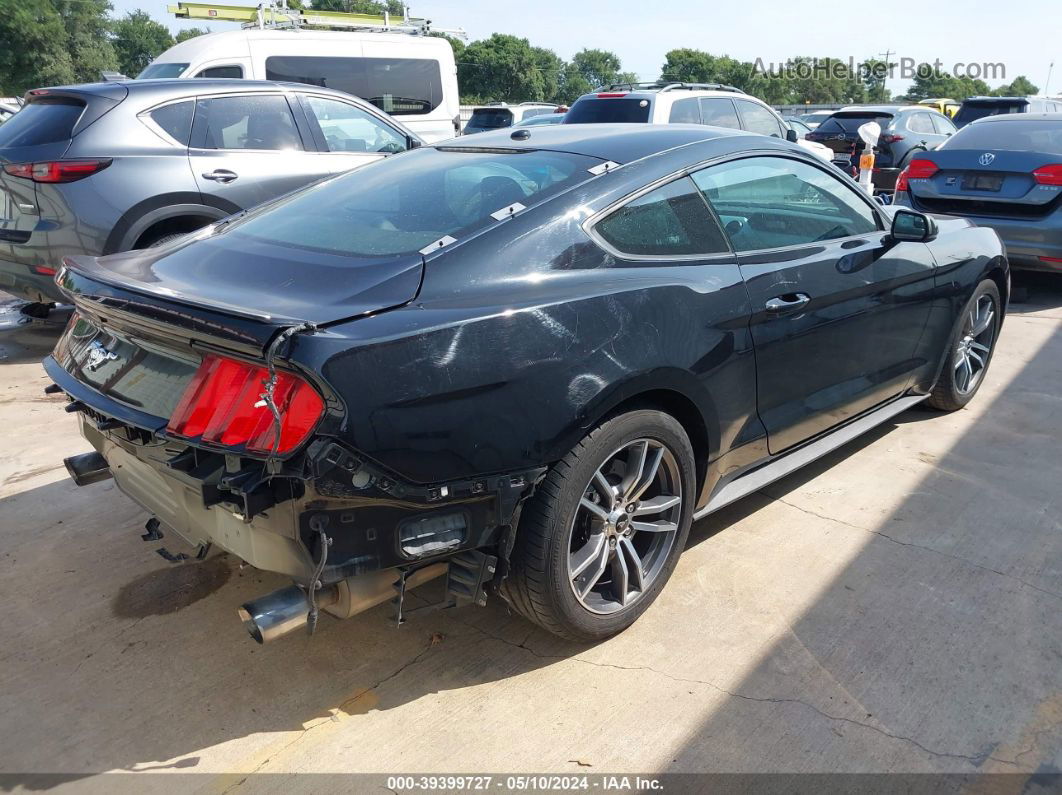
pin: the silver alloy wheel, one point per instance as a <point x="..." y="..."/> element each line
<point x="625" y="526"/>
<point x="975" y="344"/>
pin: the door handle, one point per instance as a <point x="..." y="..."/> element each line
<point x="790" y="302"/>
<point x="222" y="175"/>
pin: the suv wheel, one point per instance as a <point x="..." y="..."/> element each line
<point x="601" y="536"/>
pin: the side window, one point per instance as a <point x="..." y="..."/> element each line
<point x="348" y="128"/>
<point x="672" y="220"/>
<point x="719" y="112"/>
<point x="757" y="119"/>
<point x="175" y="120"/>
<point x="262" y="121"/>
<point x="222" y="71"/>
<point x="685" y="111"/>
<point x="773" y="202"/>
<point x="921" y="123"/>
<point x="943" y="124"/>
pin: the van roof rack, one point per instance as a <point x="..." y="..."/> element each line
<point x="669" y="85"/>
<point x="275" y="14"/>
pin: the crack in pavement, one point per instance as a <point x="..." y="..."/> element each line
<point x="975" y="759"/>
<point x="887" y="537"/>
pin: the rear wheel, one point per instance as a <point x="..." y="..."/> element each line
<point x="969" y="350"/>
<point x="601" y="536"/>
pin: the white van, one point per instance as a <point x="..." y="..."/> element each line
<point x="410" y="77"/>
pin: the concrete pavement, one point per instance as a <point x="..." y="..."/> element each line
<point x="896" y="607"/>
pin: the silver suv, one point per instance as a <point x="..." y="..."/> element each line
<point x="107" y="167"/>
<point x="679" y="103"/>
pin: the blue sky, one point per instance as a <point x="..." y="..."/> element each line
<point x="1021" y="34"/>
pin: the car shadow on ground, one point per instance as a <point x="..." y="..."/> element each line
<point x="935" y="646"/>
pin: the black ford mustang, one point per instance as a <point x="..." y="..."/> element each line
<point x="526" y="362"/>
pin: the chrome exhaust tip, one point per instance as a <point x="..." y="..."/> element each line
<point x="87" y="468"/>
<point x="276" y="614"/>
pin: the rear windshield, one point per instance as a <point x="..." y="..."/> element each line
<point x="851" y="122"/>
<point x="971" y="111"/>
<point x="592" y="110"/>
<point x="489" y="119"/>
<point x="159" y="70"/>
<point x="42" y="122"/>
<point x="1013" y="136"/>
<point x="401" y="204"/>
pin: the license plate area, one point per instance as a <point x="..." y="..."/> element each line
<point x="989" y="182"/>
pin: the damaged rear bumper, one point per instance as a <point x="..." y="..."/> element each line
<point x="328" y="517"/>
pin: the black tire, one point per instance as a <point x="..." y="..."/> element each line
<point x="539" y="586"/>
<point x="949" y="393"/>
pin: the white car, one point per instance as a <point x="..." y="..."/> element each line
<point x="7" y="110"/>
<point x="814" y="147"/>
<point x="413" y="78"/>
<point x="685" y="103"/>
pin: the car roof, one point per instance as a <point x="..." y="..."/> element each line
<point x="166" y="88"/>
<point x="620" y="143"/>
<point x="1017" y="117"/>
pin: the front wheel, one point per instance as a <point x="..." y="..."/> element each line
<point x="601" y="536"/>
<point x="970" y="349"/>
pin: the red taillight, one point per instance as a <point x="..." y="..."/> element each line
<point x="1050" y="259"/>
<point x="1049" y="175"/>
<point x="224" y="405"/>
<point x="919" y="168"/>
<point x="612" y="94"/>
<point x="56" y="170"/>
<point x="44" y="270"/>
<point x="891" y="139"/>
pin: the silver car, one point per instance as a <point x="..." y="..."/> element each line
<point x="107" y="167"/>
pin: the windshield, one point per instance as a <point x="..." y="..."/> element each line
<point x="401" y="204"/>
<point x="1011" y="136"/>
<point x="971" y="111"/>
<point x="160" y="70"/>
<point x="851" y="122"/>
<point x="591" y="110"/>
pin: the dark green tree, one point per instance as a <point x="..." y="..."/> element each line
<point x="1021" y="87"/>
<point x="138" y="40"/>
<point x="88" y="37"/>
<point x="550" y="68"/>
<point x="598" y="67"/>
<point x="572" y="85"/>
<point x="393" y="7"/>
<point x="33" y="49"/>
<point x="502" y="67"/>
<point x="191" y="33"/>
<point x="932" y="82"/>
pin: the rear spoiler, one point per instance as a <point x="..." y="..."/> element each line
<point x="102" y="97"/>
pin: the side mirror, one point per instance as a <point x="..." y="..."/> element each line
<point x="791" y="135"/>
<point x="413" y="143"/>
<point x="913" y="226"/>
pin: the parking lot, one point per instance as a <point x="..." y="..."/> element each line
<point x="894" y="607"/>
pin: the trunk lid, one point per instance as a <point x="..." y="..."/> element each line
<point x="980" y="182"/>
<point x="270" y="284"/>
